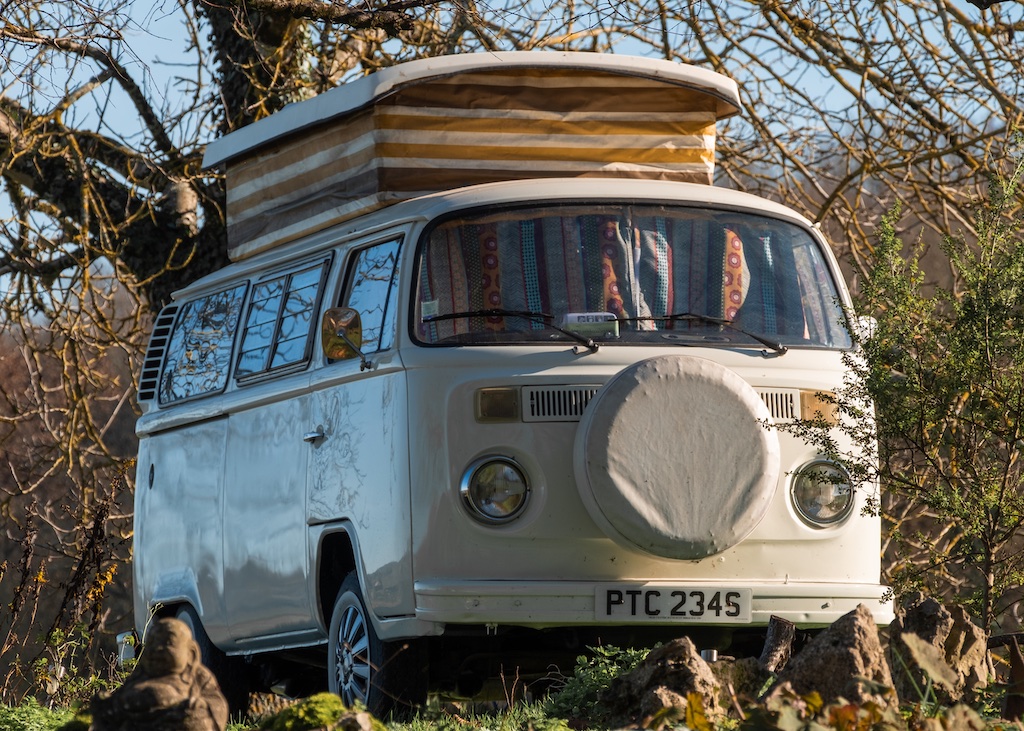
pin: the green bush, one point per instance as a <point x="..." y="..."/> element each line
<point x="30" y="716"/>
<point x="579" y="694"/>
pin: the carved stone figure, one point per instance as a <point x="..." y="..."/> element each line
<point x="170" y="689"/>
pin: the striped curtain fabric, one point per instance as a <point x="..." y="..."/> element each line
<point x="642" y="264"/>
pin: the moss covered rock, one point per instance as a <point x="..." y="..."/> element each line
<point x="321" y="711"/>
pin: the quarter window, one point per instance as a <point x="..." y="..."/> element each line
<point x="371" y="283"/>
<point x="199" y="351"/>
<point x="280" y="321"/>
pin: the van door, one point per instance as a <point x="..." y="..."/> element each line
<point x="266" y="567"/>
<point x="359" y="470"/>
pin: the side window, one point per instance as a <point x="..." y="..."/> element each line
<point x="199" y="350"/>
<point x="370" y="289"/>
<point x="279" y="325"/>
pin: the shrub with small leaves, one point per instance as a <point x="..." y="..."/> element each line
<point x="30" y="716"/>
<point x="579" y="694"/>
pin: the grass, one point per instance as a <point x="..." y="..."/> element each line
<point x="575" y="705"/>
<point x="791" y="714"/>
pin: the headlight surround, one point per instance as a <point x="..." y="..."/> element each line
<point x="495" y="490"/>
<point x="822" y="493"/>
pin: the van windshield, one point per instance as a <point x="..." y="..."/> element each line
<point x="627" y="275"/>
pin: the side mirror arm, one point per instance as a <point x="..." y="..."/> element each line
<point x="364" y="363"/>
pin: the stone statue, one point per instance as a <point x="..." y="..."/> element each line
<point x="169" y="690"/>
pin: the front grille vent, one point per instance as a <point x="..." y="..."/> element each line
<point x="782" y="403"/>
<point x="566" y="403"/>
<point x="556" y="403"/>
<point x="155" y="352"/>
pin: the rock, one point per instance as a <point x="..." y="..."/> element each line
<point x="660" y="685"/>
<point x="845" y="661"/>
<point x="961" y="643"/>
<point x="323" y="712"/>
<point x="357" y="721"/>
<point x="957" y="718"/>
<point x="963" y="718"/>
<point x="169" y="690"/>
<point x="740" y="678"/>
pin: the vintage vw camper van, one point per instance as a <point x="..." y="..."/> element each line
<point x="495" y="374"/>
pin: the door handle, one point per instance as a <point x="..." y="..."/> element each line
<point x="313" y="436"/>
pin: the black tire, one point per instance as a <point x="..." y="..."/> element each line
<point x="231" y="673"/>
<point x="389" y="678"/>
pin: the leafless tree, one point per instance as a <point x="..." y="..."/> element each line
<point x="848" y="106"/>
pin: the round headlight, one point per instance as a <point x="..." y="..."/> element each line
<point x="494" y="489"/>
<point x="822" y="493"/>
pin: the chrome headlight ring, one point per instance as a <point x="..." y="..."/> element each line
<point x="494" y="489"/>
<point x="822" y="493"/>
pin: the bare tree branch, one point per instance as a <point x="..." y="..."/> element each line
<point x="113" y="68"/>
<point x="847" y="108"/>
<point x="391" y="16"/>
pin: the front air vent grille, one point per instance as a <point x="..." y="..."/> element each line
<point x="782" y="403"/>
<point x="566" y="403"/>
<point x="556" y="403"/>
<point x="150" y="377"/>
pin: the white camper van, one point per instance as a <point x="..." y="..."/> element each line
<point x="495" y="374"/>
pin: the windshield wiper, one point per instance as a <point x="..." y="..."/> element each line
<point x="774" y="345"/>
<point x="541" y="317"/>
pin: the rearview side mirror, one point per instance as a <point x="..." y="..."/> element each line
<point x="342" y="335"/>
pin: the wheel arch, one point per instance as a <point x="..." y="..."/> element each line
<point x="168" y="607"/>
<point x="336" y="552"/>
<point x="173" y="589"/>
<point x="337" y="555"/>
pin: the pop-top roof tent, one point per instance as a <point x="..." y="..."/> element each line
<point x="442" y="123"/>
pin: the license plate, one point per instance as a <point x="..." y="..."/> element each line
<point x="672" y="604"/>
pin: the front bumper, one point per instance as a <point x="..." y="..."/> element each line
<point x="558" y="604"/>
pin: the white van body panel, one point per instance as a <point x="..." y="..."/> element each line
<point x="240" y="503"/>
<point x="475" y="570"/>
<point x="178" y="554"/>
<point x="359" y="473"/>
<point x="265" y="557"/>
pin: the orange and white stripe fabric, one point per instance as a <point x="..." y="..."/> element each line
<point x="472" y="127"/>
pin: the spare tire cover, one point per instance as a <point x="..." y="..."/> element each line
<point x="675" y="456"/>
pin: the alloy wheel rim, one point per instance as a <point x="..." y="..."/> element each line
<point x="353" y="657"/>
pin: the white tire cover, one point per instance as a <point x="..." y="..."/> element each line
<point x="676" y="456"/>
